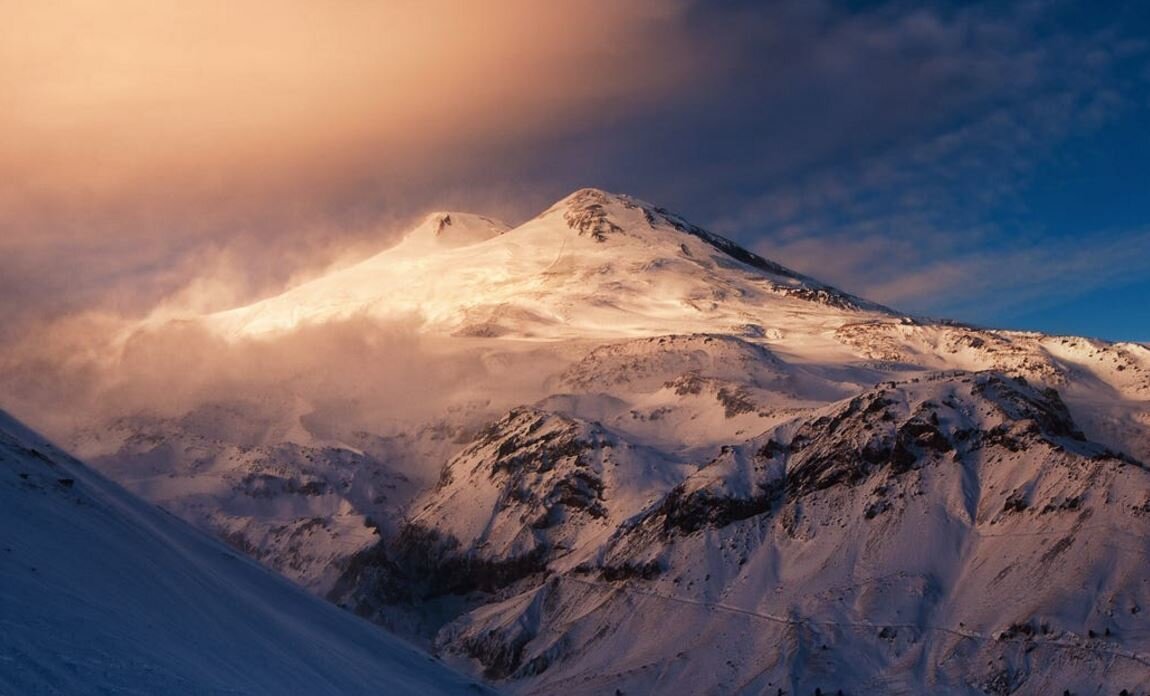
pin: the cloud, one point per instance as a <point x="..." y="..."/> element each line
<point x="89" y="370"/>
<point x="190" y="99"/>
<point x="926" y="275"/>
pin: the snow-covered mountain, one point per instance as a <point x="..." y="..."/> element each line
<point x="593" y="265"/>
<point x="674" y="466"/>
<point x="103" y="593"/>
<point x="953" y="534"/>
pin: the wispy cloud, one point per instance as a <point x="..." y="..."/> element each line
<point x="940" y="218"/>
<point x="176" y="99"/>
<point x="919" y="277"/>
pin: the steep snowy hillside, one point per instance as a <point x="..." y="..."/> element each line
<point x="102" y="593"/>
<point x="660" y="463"/>
<point x="956" y="533"/>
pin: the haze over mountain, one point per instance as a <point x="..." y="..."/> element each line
<point x="606" y="449"/>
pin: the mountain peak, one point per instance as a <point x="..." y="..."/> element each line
<point x="590" y="194"/>
<point x="602" y="215"/>
<point x="596" y="213"/>
<point x="451" y="229"/>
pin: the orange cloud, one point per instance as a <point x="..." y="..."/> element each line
<point x="118" y="100"/>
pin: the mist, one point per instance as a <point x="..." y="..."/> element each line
<point x="86" y="372"/>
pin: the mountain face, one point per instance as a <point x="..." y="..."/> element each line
<point x="882" y="532"/>
<point x="103" y="593"/>
<point x="674" y="466"/>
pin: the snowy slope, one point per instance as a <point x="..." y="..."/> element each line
<point x="675" y="466"/>
<point x="954" y="534"/>
<point x="102" y="593"/>
<point x="300" y="508"/>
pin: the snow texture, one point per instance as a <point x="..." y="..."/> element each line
<point x="101" y="593"/>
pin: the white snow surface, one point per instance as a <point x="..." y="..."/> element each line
<point x="1008" y="558"/>
<point x="102" y="593"/>
<point x="683" y="468"/>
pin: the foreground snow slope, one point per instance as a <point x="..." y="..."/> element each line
<point x="102" y="593"/>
